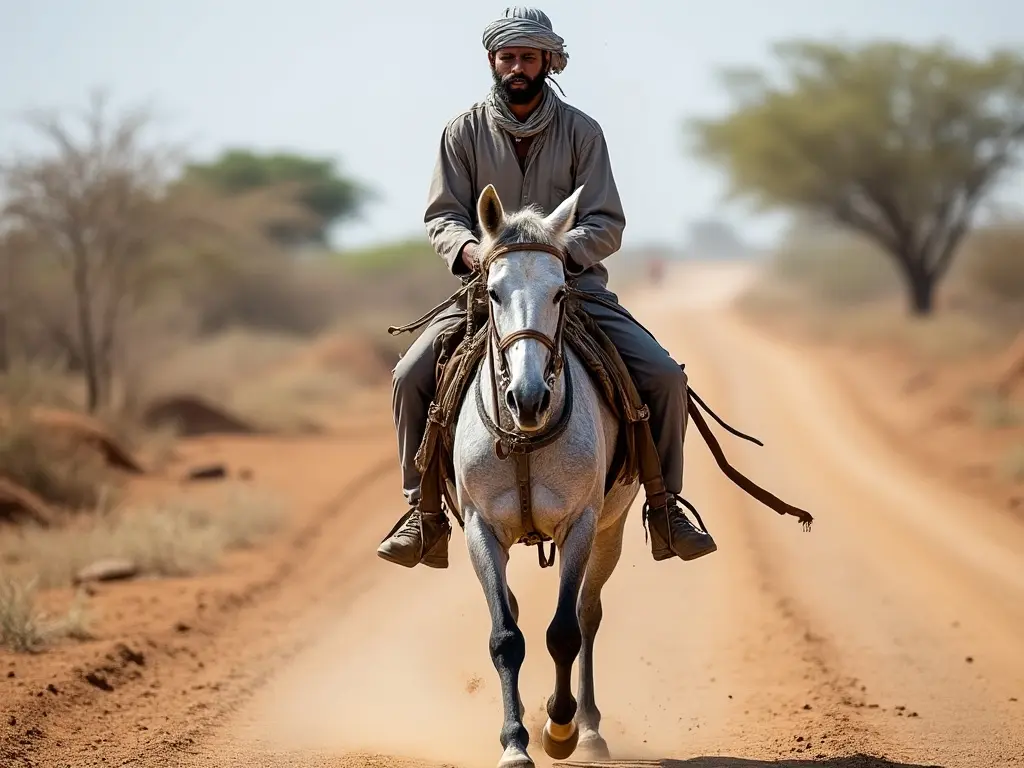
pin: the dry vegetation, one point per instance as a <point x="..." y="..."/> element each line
<point x="128" y="289"/>
<point x="950" y="385"/>
<point x="26" y="629"/>
<point x="179" y="536"/>
<point x="175" y="537"/>
<point x="852" y="291"/>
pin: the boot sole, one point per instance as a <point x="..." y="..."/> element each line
<point x="669" y="554"/>
<point x="701" y="553"/>
<point x="430" y="562"/>
<point x="384" y="555"/>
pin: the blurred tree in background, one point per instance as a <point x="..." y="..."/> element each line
<point x="896" y="142"/>
<point x="328" y="196"/>
<point x="96" y="227"/>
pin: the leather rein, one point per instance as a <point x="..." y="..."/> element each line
<point x="508" y="442"/>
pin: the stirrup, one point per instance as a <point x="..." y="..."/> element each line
<point x="645" y="512"/>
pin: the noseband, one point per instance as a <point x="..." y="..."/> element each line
<point x="508" y="441"/>
<point x="501" y="344"/>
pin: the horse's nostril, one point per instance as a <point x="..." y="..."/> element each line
<point x="510" y="401"/>
<point x="545" y="400"/>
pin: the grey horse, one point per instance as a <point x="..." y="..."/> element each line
<point x="530" y="384"/>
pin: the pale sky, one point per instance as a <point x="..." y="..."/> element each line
<point x="372" y="84"/>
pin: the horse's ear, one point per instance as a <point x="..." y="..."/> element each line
<point x="489" y="211"/>
<point x="562" y="219"/>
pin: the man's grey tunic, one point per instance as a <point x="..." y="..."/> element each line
<point x="570" y="152"/>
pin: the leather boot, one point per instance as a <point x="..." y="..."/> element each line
<point x="672" y="533"/>
<point x="419" y="537"/>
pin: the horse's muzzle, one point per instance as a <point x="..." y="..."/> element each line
<point x="529" y="406"/>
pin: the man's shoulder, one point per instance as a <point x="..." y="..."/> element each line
<point x="467" y="120"/>
<point x="582" y="124"/>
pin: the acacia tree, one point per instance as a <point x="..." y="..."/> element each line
<point x="98" y="213"/>
<point x="329" y="196"/>
<point x="897" y="142"/>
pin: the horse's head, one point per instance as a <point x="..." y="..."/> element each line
<point x="523" y="264"/>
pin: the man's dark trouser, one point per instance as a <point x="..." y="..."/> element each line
<point x="659" y="380"/>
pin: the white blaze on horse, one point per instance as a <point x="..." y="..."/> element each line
<point x="530" y="387"/>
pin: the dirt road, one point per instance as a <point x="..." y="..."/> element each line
<point x="894" y="630"/>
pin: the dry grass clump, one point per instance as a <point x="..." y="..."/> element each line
<point x="996" y="411"/>
<point x="173" y="538"/>
<point x="61" y="471"/>
<point x="1013" y="464"/>
<point x="26" y="629"/>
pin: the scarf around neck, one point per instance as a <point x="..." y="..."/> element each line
<point x="538" y="120"/>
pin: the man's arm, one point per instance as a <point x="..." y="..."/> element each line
<point x="448" y="216"/>
<point x="599" y="216"/>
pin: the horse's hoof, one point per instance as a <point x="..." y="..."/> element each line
<point x="593" y="747"/>
<point x="560" y="740"/>
<point x="514" y="757"/>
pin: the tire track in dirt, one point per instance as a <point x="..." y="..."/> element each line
<point x="908" y="584"/>
<point x="796" y="698"/>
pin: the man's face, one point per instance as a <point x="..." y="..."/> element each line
<point x="519" y="74"/>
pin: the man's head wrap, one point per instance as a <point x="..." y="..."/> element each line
<point x="524" y="27"/>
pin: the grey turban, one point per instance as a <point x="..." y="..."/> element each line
<point x="526" y="27"/>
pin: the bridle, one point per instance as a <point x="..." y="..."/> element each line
<point x="509" y="441"/>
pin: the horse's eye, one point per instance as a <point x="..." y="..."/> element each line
<point x="494" y="295"/>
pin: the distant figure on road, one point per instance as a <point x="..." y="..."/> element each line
<point x="656" y="270"/>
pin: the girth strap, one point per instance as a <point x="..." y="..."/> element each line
<point x="526" y="511"/>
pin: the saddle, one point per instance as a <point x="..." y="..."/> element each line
<point x="462" y="350"/>
<point x="462" y="347"/>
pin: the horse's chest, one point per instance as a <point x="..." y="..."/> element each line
<point x="558" y="488"/>
<point x="564" y="478"/>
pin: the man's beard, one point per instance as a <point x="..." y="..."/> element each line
<point x="517" y="95"/>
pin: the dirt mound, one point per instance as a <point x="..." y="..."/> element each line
<point x="18" y="504"/>
<point x="194" y="416"/>
<point x="365" y="360"/>
<point x="81" y="428"/>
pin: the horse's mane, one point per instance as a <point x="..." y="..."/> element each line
<point x="526" y="225"/>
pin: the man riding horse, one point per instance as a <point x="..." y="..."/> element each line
<point x="536" y="149"/>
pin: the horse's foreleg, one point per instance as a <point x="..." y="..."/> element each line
<point x="564" y="637"/>
<point x="603" y="559"/>
<point x="507" y="644"/>
<point x="514" y="604"/>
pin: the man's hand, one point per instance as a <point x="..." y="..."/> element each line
<point x="469" y="256"/>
